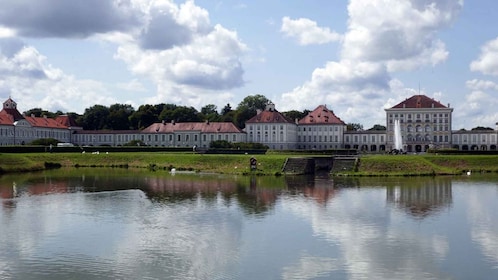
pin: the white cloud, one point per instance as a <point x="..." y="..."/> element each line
<point x="307" y="32"/>
<point x="189" y="60"/>
<point x="133" y="85"/>
<point x="487" y="63"/>
<point x="478" y="107"/>
<point x="6" y="32"/>
<point x="401" y="33"/>
<point x="481" y="85"/>
<point x="26" y="76"/>
<point x="383" y="36"/>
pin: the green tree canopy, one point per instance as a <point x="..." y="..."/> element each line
<point x="96" y="118"/>
<point x="38" y="112"/>
<point x="119" y="116"/>
<point x="248" y="107"/>
<point x="145" y="116"/>
<point x="354" y="127"/>
<point x="294" y="114"/>
<point x="209" y="113"/>
<point x="377" y="127"/>
<point x="481" y="128"/>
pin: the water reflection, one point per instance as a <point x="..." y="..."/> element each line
<point x="421" y="199"/>
<point x="90" y="224"/>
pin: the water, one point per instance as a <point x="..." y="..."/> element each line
<point x="125" y="224"/>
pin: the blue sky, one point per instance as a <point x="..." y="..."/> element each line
<point x="358" y="57"/>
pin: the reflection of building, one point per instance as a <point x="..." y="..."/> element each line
<point x="322" y="191"/>
<point x="421" y="200"/>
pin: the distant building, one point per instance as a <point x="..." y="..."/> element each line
<point x="321" y="129"/>
<point x="17" y="129"/>
<point x="271" y="128"/>
<point x="189" y="134"/>
<point x="366" y="140"/>
<point x="425" y="123"/>
<point x="472" y="140"/>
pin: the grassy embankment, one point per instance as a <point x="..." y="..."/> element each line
<point x="228" y="164"/>
<point x="429" y="164"/>
<point x="268" y="164"/>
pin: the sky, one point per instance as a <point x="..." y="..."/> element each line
<point x="357" y="57"/>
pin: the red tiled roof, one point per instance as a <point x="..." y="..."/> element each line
<point x="44" y="122"/>
<point x="272" y="116"/>
<point x="66" y="120"/>
<point x="321" y="115"/>
<point x="6" y="119"/>
<point x="14" y="113"/>
<point x="204" y="127"/>
<point x="419" y="101"/>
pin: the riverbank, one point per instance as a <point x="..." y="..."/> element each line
<point x="268" y="164"/>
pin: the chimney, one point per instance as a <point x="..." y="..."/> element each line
<point x="173" y="122"/>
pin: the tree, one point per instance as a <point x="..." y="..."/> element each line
<point x="38" y="112"/>
<point x="119" y="116"/>
<point x="95" y="118"/>
<point x="254" y="102"/>
<point x="209" y="113"/>
<point x="144" y="116"/>
<point x="227" y="109"/>
<point x="248" y="107"/>
<point x="354" y="127"/>
<point x="481" y="128"/>
<point x="167" y="112"/>
<point x="186" y="114"/>
<point x="294" y="114"/>
<point x="378" y="127"/>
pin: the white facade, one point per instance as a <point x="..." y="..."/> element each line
<point x="424" y="122"/>
<point x="271" y="128"/>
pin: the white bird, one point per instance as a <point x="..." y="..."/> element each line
<point x="468" y="173"/>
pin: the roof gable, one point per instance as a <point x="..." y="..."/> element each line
<point x="419" y="101"/>
<point x="321" y="115"/>
<point x="270" y="116"/>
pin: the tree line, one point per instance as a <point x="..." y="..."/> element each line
<point x="125" y="117"/>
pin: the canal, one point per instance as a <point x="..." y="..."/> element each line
<point x="137" y="224"/>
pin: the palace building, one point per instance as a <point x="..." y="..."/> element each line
<point x="424" y="123"/>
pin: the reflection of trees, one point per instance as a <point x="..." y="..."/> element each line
<point x="180" y="188"/>
<point x="255" y="195"/>
<point x="421" y="198"/>
<point x="255" y="199"/>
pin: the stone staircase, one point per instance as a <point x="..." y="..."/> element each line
<point x="299" y="166"/>
<point x="342" y="164"/>
<point x="310" y="165"/>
